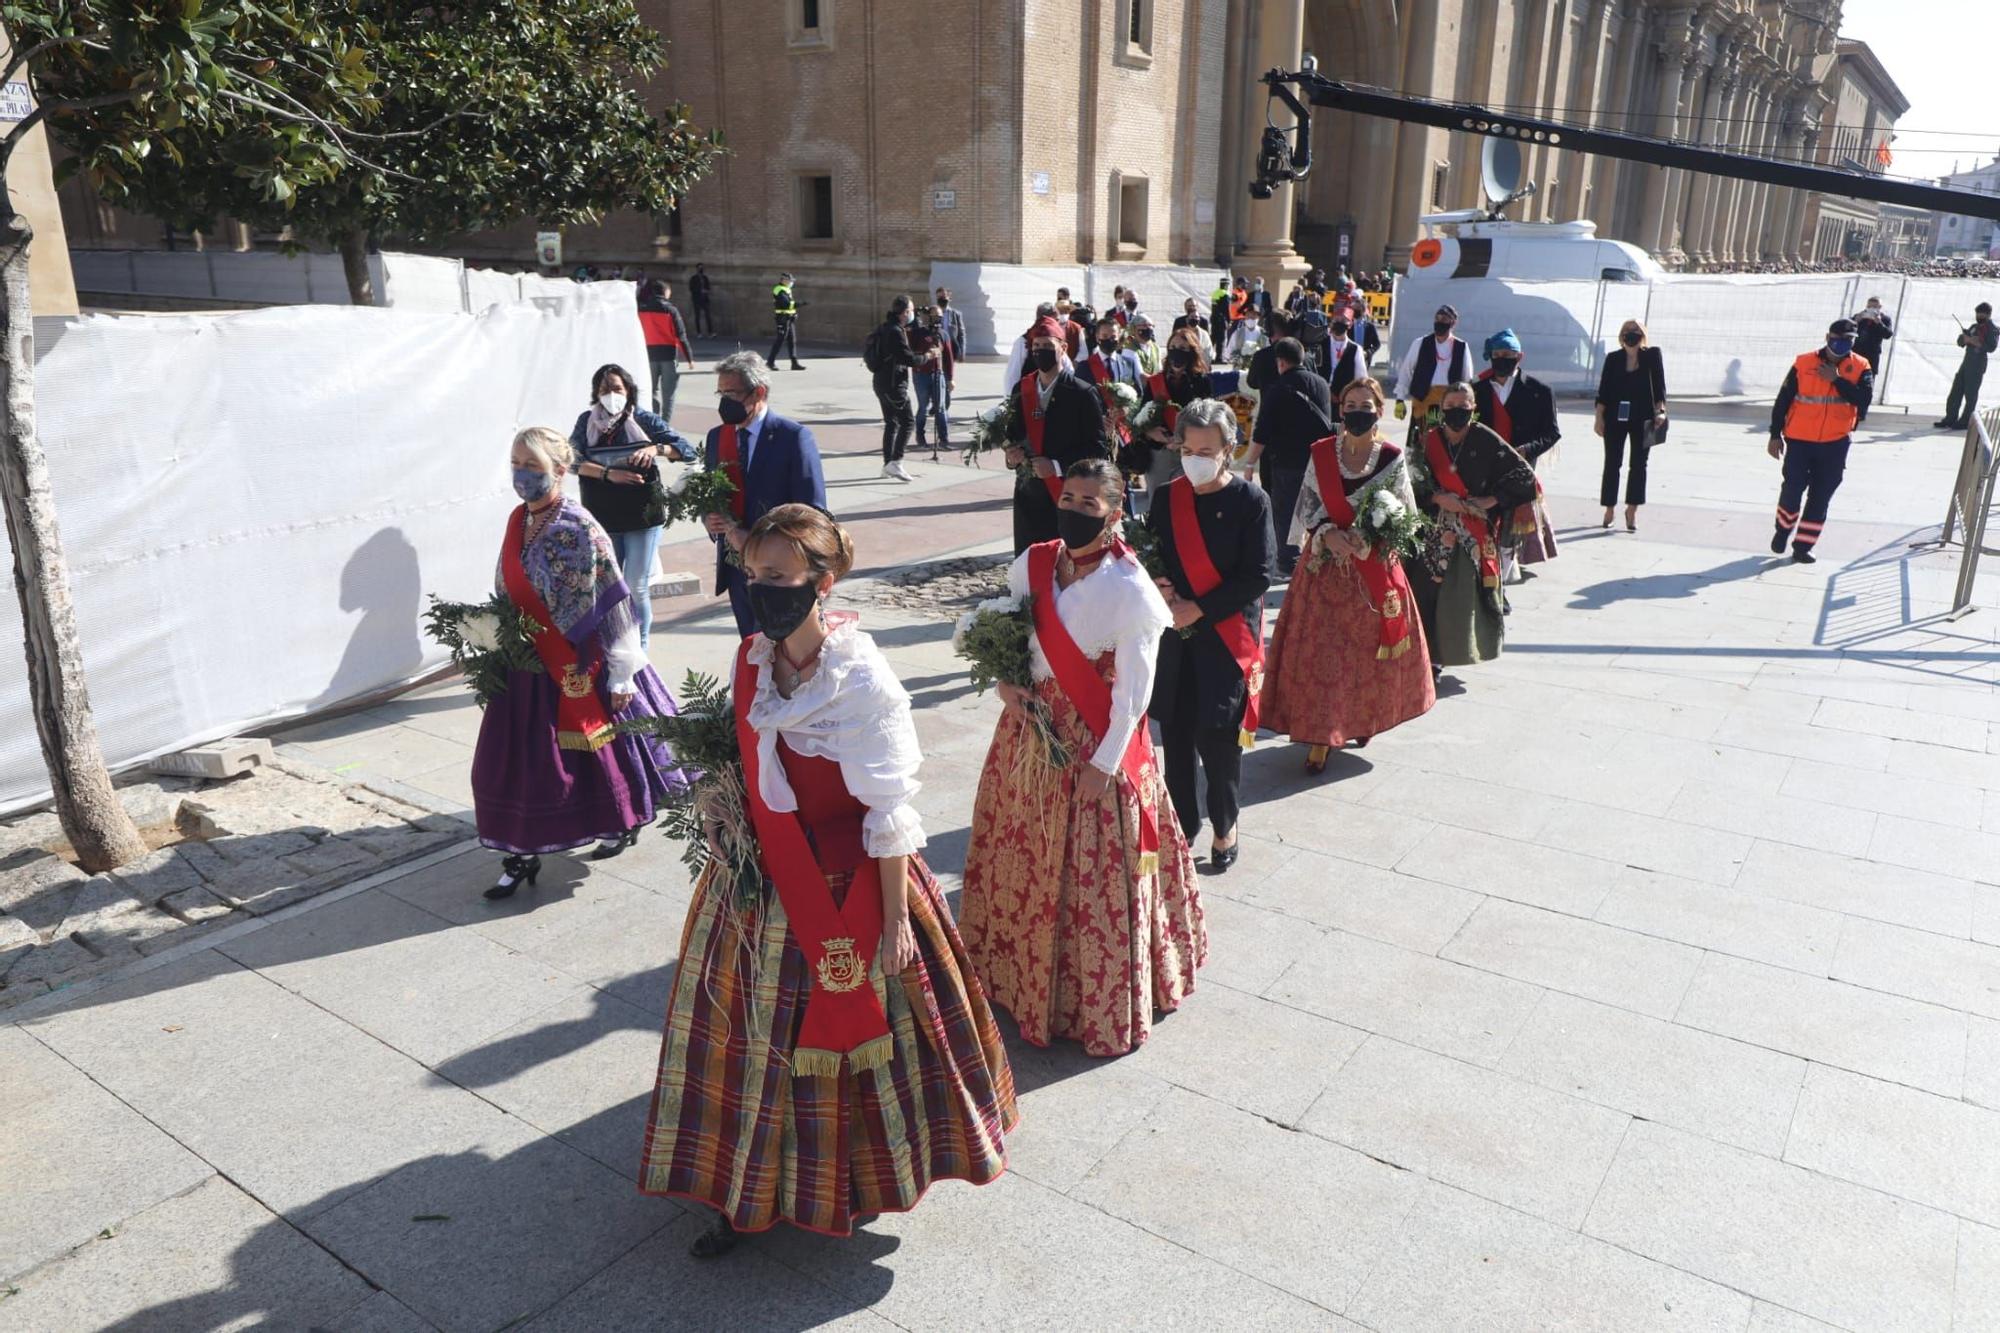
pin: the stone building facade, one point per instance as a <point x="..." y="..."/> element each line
<point x="1863" y="105"/>
<point x="869" y="139"/>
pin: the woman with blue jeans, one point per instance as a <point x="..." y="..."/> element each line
<point x="617" y="443"/>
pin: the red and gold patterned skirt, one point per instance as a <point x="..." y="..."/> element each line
<point x="1067" y="934"/>
<point x="1323" y="683"/>
<point x="734" y="1128"/>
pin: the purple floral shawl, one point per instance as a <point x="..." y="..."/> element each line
<point x="574" y="568"/>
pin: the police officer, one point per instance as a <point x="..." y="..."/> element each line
<point x="785" y="309"/>
<point x="1825" y="395"/>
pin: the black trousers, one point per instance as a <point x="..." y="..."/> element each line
<point x="704" y="319"/>
<point x="1283" y="485"/>
<point x="1812" y="475"/>
<point x="1964" y="398"/>
<point x="1218" y="750"/>
<point x="899" y="417"/>
<point x="787" y="339"/>
<point x="1616" y="433"/>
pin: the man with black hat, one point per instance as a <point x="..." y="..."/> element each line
<point x="1431" y="366"/>
<point x="1825" y="396"/>
<point x="1980" y="341"/>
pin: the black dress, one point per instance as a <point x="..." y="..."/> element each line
<point x="1198" y="690"/>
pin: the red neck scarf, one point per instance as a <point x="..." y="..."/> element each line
<point x="1445" y="473"/>
<point x="1031" y="416"/>
<point x="1379" y="571"/>
<point x="581" y="722"/>
<point x="1077" y="677"/>
<point x="1243" y="637"/>
<point x="727" y="452"/>
<point x="843" y="1017"/>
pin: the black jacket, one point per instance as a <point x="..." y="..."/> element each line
<point x="1985" y="341"/>
<point x="1263" y="367"/>
<point x="897" y="356"/>
<point x="1870" y="334"/>
<point x="1072" y="421"/>
<point x="1296" y="408"/>
<point x="1531" y="407"/>
<point x="1235" y="522"/>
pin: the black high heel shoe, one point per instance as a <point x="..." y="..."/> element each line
<point x="611" y="847"/>
<point x="1221" y="858"/>
<point x="715" y="1242"/>
<point x="514" y="870"/>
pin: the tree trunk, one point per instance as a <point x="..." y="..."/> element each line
<point x="354" y="261"/>
<point x="92" y="819"/>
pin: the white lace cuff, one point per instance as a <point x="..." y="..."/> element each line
<point x="894" y="832"/>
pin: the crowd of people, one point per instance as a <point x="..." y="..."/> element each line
<point x="1919" y="266"/>
<point x="830" y="1048"/>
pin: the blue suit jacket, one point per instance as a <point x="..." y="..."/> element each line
<point x="784" y="469"/>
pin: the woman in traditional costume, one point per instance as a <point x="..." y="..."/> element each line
<point x="1347" y="659"/>
<point x="1215" y="539"/>
<point x="828" y="1054"/>
<point x="1187" y="376"/>
<point x="1080" y="908"/>
<point x="1468" y="480"/>
<point x="549" y="772"/>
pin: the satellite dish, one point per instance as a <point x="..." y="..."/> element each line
<point x="1500" y="169"/>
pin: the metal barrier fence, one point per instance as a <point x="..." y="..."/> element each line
<point x="1971" y="503"/>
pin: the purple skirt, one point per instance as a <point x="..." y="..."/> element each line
<point x="529" y="795"/>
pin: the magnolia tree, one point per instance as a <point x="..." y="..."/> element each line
<point x="489" y="112"/>
<point x="260" y="85"/>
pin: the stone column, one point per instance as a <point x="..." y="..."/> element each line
<point x="1750" y="238"/>
<point x="1613" y="181"/>
<point x="1410" y="190"/>
<point x="1592" y="79"/>
<point x="1656" y="228"/>
<point x="1267" y="250"/>
<point x="1721" y="222"/>
<point x="1707" y="132"/>
<point x="1795" y="249"/>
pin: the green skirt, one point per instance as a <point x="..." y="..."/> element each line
<point x="1463" y="624"/>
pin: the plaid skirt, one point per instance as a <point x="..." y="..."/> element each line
<point x="733" y="1128"/>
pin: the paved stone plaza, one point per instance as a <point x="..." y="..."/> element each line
<point x="1650" y="982"/>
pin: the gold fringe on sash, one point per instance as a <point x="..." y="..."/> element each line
<point x="1391" y="652"/>
<point x="590" y="744"/>
<point x="1149" y="863"/>
<point x="875" y="1053"/>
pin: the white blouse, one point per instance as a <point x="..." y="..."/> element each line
<point x="1311" y="511"/>
<point x="854" y="711"/>
<point x="1114" y="608"/>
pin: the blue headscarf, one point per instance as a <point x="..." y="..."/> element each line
<point x="1503" y="341"/>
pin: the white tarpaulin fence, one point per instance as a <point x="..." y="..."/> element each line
<point x="1734" y="334"/>
<point x="254" y="505"/>
<point x="268" y="277"/>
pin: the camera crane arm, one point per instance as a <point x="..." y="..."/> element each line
<point x="1286" y="155"/>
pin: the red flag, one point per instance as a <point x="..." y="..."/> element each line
<point x="1883" y="157"/>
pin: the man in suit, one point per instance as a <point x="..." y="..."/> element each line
<point x="954" y="324"/>
<point x="1057" y="420"/>
<point x="1295" y="409"/>
<point x="773" y="460"/>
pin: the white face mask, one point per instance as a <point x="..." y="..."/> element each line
<point x="614" y="403"/>
<point x="1201" y="469"/>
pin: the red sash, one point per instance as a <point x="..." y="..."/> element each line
<point x="1445" y="473"/>
<point x="1077" y="677"/>
<point x="732" y="467"/>
<point x="1503" y="420"/>
<point x="1170" y="412"/>
<point x="1243" y="639"/>
<point x="843" y="1017"/>
<point x="1378" y="570"/>
<point x="1031" y="416"/>
<point x="581" y="723"/>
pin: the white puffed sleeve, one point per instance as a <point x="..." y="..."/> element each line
<point x="879" y="758"/>
<point x="624" y="657"/>
<point x="1143" y="617"/>
<point x="1017" y="576"/>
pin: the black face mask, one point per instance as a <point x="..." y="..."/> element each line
<point x="1457" y="418"/>
<point x="1180" y="358"/>
<point x="1359" y="422"/>
<point x="944" y="302"/>
<point x="1047" y="359"/>
<point x="1340" y="327"/>
<point x="1443" y="327"/>
<point x="732" y="412"/>
<point x="781" y="608"/>
<point x="1078" y="529"/>
<point x="1503" y="366"/>
<point x="1629" y="339"/>
<point x="1107" y="345"/>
